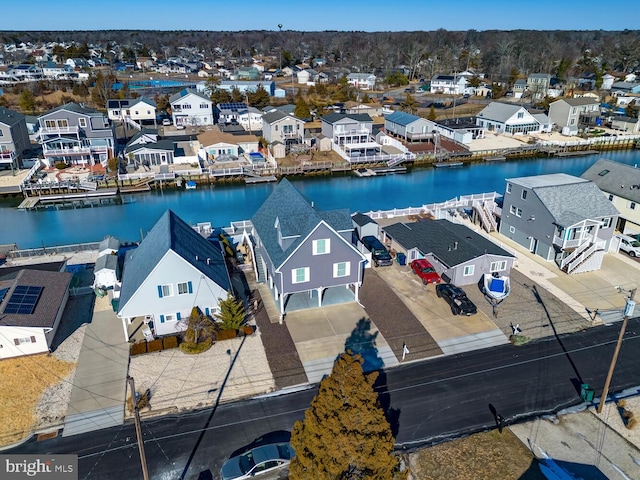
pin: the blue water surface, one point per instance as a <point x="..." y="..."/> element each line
<point x="221" y="205"/>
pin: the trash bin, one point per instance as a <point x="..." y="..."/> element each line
<point x="586" y="392"/>
<point x="402" y="258"/>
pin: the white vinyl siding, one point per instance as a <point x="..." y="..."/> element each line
<point x="342" y="269"/>
<point x="300" y="275"/>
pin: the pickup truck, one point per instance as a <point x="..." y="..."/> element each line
<point x="379" y="253"/>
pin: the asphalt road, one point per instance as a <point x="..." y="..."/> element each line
<point x="430" y="401"/>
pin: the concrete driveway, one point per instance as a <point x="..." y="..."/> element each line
<point x="453" y="333"/>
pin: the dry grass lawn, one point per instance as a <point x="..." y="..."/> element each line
<point x="488" y="455"/>
<point x="24" y="380"/>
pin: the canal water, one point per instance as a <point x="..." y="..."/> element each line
<point x="221" y="205"/>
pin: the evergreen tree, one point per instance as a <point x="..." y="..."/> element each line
<point x="27" y="101"/>
<point x="344" y="434"/>
<point x="231" y="315"/>
<point x="432" y="113"/>
<point x="260" y="98"/>
<point x="302" y="109"/>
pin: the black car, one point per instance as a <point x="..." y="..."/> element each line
<point x="457" y="299"/>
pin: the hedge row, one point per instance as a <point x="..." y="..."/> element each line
<point x="156" y="345"/>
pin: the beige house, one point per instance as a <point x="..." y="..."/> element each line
<point x="217" y="146"/>
<point x="280" y="127"/>
<point x="621" y="185"/>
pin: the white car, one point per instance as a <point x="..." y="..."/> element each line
<point x="630" y="245"/>
<point x="257" y="461"/>
<point x="166" y="122"/>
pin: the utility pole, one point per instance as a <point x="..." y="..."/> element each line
<point x="136" y="416"/>
<point x="628" y="311"/>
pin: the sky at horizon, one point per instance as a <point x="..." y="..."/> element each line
<point x="371" y="16"/>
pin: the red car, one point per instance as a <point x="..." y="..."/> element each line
<point x="425" y="271"/>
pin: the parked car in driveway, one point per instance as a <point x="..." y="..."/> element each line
<point x="166" y="122"/>
<point x="457" y="299"/>
<point x="257" y="461"/>
<point x="379" y="253"/>
<point x="425" y="271"/>
<point x="630" y="245"/>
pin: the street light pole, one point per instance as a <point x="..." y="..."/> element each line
<point x="628" y="311"/>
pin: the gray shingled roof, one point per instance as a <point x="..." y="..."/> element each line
<point x="172" y="233"/>
<point x="579" y="101"/>
<point x="498" y="111"/>
<point x="77" y="108"/>
<point x="568" y="199"/>
<point x="615" y="178"/>
<point x="362" y="219"/>
<point x="296" y="217"/>
<point x="439" y="238"/>
<point x="275" y="116"/>
<point x="166" y="145"/>
<point x="10" y="117"/>
<point x="109" y="242"/>
<point x="109" y="262"/>
<point x="54" y="288"/>
<point x="332" y="118"/>
<point x="186" y="91"/>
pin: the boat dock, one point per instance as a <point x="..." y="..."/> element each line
<point x="253" y="180"/>
<point x="580" y="153"/>
<point x="374" y="171"/>
<point x="73" y="200"/>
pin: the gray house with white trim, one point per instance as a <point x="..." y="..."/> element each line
<point x="14" y="138"/>
<point x="460" y="255"/>
<point x="173" y="270"/>
<point x="407" y="126"/>
<point x="561" y="218"/>
<point x="299" y="250"/>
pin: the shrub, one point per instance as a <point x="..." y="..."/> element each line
<point x="194" y="348"/>
<point x="138" y="348"/>
<point x="518" y="340"/>
<point x="154" y="345"/>
<point x="248" y="329"/>
<point x="170" y="342"/>
<point x="143" y="401"/>
<point x="227" y="334"/>
<point x="61" y="165"/>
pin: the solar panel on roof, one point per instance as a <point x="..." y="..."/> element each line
<point x="24" y="299"/>
<point x="3" y="292"/>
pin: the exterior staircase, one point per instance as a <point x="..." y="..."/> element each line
<point x="133" y="123"/>
<point x="487" y="220"/>
<point x="262" y="274"/>
<point x="578" y="261"/>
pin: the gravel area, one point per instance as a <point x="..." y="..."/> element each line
<point x="178" y="381"/>
<point x="280" y="350"/>
<point x="394" y="320"/>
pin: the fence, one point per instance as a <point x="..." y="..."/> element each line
<point x="55" y="250"/>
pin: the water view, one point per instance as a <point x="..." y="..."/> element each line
<point x="221" y="205"/>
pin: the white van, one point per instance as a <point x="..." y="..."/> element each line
<point x="630" y="245"/>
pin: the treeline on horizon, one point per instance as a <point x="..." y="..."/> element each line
<point x="496" y="53"/>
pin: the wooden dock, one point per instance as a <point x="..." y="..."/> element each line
<point x="253" y="180"/>
<point x="136" y="189"/>
<point x="29" y="203"/>
<point x="579" y="153"/>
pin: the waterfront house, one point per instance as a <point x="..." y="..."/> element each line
<point x="363" y="81"/>
<point x="626" y="124"/>
<point x="409" y="127"/>
<point x="76" y="135"/>
<point x="147" y="154"/>
<point x="561" y="218"/>
<point x="347" y="128"/>
<point x="250" y="119"/>
<point x="190" y="107"/>
<point x="620" y="184"/>
<point x="509" y="118"/>
<point x="228" y="113"/>
<point x="570" y="114"/>
<point x="14" y="138"/>
<point x="306" y="256"/>
<point x="173" y="270"/>
<point x="141" y="110"/>
<point x="219" y="146"/>
<point x="31" y="305"/>
<point x="538" y="85"/>
<point x="280" y="127"/>
<point x="460" y="255"/>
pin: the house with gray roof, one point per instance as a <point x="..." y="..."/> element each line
<point x="624" y="124"/>
<point x="407" y="126"/>
<point x="76" y="135"/>
<point x="31" y="305"/>
<point x="14" y="138"/>
<point x="363" y="81"/>
<point x="347" y="127"/>
<point x="620" y="184"/>
<point x="305" y="255"/>
<point x="460" y="255"/>
<point x="278" y="126"/>
<point x="191" y="108"/>
<point x="509" y="118"/>
<point x="173" y="270"/>
<point x="141" y="110"/>
<point x="570" y="114"/>
<point x="561" y="218"/>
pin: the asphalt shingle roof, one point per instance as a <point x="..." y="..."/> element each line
<point x="296" y="217"/>
<point x="452" y="243"/>
<point x="568" y="199"/>
<point x="615" y="178"/>
<point x="362" y="219"/>
<point x="172" y="233"/>
<point x="498" y="111"/>
<point x="186" y="91"/>
<point x="10" y="117"/>
<point x="332" y="118"/>
<point x="402" y="118"/>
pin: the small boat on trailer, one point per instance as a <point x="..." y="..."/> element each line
<point x="496" y="289"/>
